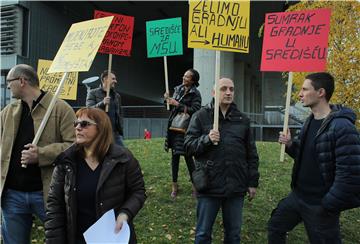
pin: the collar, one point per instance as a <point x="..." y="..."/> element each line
<point x="35" y="102"/>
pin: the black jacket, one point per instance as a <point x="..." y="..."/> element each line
<point x="192" y="101"/>
<point x="120" y="187"/>
<point x="337" y="145"/>
<point x="232" y="165"/>
<point x="95" y="99"/>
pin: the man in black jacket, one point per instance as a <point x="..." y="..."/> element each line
<point x="326" y="172"/>
<point x="231" y="166"/>
<point x="96" y="98"/>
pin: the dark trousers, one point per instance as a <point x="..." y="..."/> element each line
<point x="175" y="159"/>
<point x="321" y="226"/>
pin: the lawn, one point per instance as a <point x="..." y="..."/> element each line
<point x="163" y="220"/>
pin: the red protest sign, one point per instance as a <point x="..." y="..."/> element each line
<point x="296" y="41"/>
<point x="118" y="38"/>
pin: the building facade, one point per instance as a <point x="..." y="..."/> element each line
<point x="35" y="30"/>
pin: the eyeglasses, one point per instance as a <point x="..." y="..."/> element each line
<point x="17" y="78"/>
<point x="83" y="123"/>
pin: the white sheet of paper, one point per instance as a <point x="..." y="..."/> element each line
<point x="102" y="232"/>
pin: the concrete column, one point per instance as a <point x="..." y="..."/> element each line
<point x="239" y="71"/>
<point x="204" y="62"/>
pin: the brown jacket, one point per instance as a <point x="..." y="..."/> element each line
<point x="58" y="134"/>
<point x="120" y="187"/>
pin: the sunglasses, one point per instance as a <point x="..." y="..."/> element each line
<point x="83" y="123"/>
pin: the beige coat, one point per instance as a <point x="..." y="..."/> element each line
<point x="58" y="135"/>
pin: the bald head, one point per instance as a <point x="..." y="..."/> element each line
<point x="27" y="72"/>
<point x="226" y="88"/>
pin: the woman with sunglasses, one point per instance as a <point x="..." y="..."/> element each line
<point x="91" y="177"/>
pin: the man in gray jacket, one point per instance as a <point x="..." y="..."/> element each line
<point x="97" y="98"/>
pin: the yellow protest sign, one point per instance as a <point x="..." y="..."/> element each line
<point x="50" y="82"/>
<point x="80" y="45"/>
<point x="219" y="25"/>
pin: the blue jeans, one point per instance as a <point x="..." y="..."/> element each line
<point x="17" y="209"/>
<point x="207" y="209"/>
<point x="321" y="227"/>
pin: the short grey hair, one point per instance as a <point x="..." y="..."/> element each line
<point x="28" y="72"/>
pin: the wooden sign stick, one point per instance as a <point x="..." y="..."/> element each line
<point x="217" y="93"/>
<point x="108" y="82"/>
<point x="286" y="116"/>
<point x="48" y="112"/>
<point x="166" y="82"/>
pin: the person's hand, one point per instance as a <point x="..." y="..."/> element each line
<point x="119" y="221"/>
<point x="106" y="100"/>
<point x="251" y="192"/>
<point x="285" y="138"/>
<point x="173" y="102"/>
<point x="30" y="155"/>
<point x="214" y="136"/>
<point x="166" y="95"/>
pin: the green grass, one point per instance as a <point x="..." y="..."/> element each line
<point x="163" y="220"/>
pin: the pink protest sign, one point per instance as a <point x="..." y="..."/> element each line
<point x="118" y="39"/>
<point x="296" y="41"/>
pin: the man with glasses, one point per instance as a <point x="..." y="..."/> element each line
<point x="24" y="189"/>
<point x="97" y="98"/>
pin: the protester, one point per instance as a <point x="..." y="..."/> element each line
<point x="96" y="98"/>
<point x="24" y="189"/>
<point x="147" y="134"/>
<point x="186" y="98"/>
<point x="326" y="175"/>
<point x="230" y="168"/>
<point x="91" y="177"/>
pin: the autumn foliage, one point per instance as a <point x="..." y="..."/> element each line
<point x="343" y="59"/>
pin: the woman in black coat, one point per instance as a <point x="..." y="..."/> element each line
<point x="187" y="98"/>
<point x="91" y="177"/>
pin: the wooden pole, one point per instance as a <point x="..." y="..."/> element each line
<point x="47" y="113"/>
<point x="108" y="82"/>
<point x="166" y="82"/>
<point x="217" y="93"/>
<point x="286" y="116"/>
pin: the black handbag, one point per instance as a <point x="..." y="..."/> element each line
<point x="180" y="122"/>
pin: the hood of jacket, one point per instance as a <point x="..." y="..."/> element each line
<point x="177" y="89"/>
<point x="115" y="154"/>
<point x="339" y="111"/>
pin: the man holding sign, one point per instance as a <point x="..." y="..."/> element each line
<point x="23" y="188"/>
<point x="326" y="176"/>
<point x="97" y="98"/>
<point x="230" y="167"/>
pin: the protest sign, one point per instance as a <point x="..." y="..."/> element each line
<point x="76" y="53"/>
<point x="164" y="37"/>
<point x="50" y="82"/>
<point x="80" y="45"/>
<point x="219" y="25"/>
<point x="118" y="38"/>
<point x="296" y="41"/>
